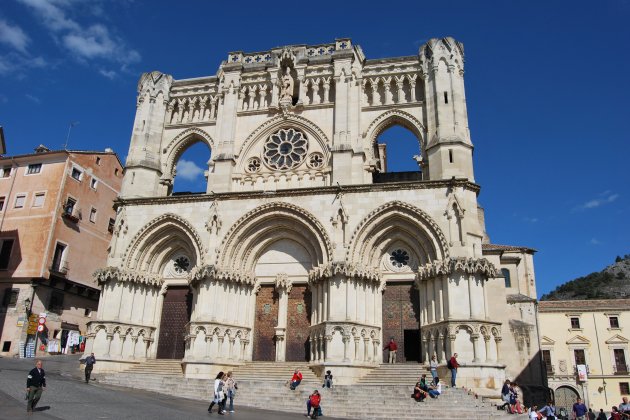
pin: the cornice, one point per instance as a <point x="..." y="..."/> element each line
<point x="454" y="265"/>
<point x="105" y="274"/>
<point x="301" y="192"/>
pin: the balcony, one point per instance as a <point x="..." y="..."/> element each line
<point x="72" y="214"/>
<point x="60" y="269"/>
<point x="620" y="369"/>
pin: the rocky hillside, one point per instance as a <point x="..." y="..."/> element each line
<point x="613" y="282"/>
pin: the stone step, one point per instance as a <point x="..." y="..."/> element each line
<point x="357" y="401"/>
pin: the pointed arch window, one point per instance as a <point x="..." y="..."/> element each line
<point x="506" y="277"/>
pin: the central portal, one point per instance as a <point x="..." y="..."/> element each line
<point x="401" y="320"/>
<point x="175" y="315"/>
<point x="298" y="325"/>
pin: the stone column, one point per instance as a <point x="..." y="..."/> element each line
<point x="346" y="340"/>
<point x="475" y="339"/>
<point x="327" y="340"/>
<point x="283" y="286"/>
<point x="231" y="354"/>
<point x="431" y="346"/>
<point x="356" y="349"/>
<point x="109" y="338"/>
<point x="425" y="350"/>
<point x="220" y="347"/>
<point x="438" y="347"/>
<point x="497" y="342"/>
<point x="208" y="341"/>
<point x="134" y="340"/>
<point x="366" y="346"/>
<point x="486" y="340"/>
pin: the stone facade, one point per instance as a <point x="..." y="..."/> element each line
<point x="589" y="332"/>
<point x="303" y="247"/>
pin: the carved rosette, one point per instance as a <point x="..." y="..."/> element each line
<point x="454" y="265"/>
<point x="106" y="274"/>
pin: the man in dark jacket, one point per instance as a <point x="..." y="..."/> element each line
<point x="35" y="384"/>
<point x="89" y="365"/>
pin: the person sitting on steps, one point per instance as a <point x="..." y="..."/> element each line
<point x="328" y="379"/>
<point x="436" y="389"/>
<point x="419" y="391"/>
<point x="295" y="380"/>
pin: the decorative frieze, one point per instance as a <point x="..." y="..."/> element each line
<point x="456" y="264"/>
<point x="357" y="271"/>
<point x="105" y="274"/>
<point x="213" y="273"/>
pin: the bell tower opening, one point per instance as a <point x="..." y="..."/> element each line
<point x="191" y="170"/>
<point x="398" y="154"/>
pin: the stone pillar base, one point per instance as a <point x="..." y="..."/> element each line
<point x="343" y="374"/>
<point x="483" y="378"/>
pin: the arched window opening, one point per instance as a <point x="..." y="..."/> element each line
<point x="506" y="276"/>
<point x="191" y="171"/>
<point x="398" y="155"/>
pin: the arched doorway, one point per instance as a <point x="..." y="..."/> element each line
<point x="565" y="397"/>
<point x="401" y="320"/>
<point x="288" y="259"/>
<point x="176" y="311"/>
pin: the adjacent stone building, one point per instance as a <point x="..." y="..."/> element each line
<point x="593" y="333"/>
<point x="56" y="219"/>
<point x="304" y="248"/>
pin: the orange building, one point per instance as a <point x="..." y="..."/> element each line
<point x="56" y="222"/>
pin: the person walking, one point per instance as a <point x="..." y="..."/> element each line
<point x="219" y="395"/>
<point x="89" y="365"/>
<point x="393" y="348"/>
<point x="590" y="415"/>
<point x="579" y="410"/>
<point x="433" y="365"/>
<point x="453" y="365"/>
<point x="231" y="386"/>
<point x="35" y="384"/>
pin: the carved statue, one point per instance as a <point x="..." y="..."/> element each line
<point x="286" y="88"/>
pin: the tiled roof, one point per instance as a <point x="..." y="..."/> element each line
<point x="497" y="247"/>
<point x="583" y="305"/>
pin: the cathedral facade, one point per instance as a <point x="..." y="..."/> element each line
<point x="303" y="247"/>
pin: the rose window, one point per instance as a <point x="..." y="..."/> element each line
<point x="181" y="265"/>
<point x="253" y="165"/>
<point x="315" y="160"/>
<point x="399" y="258"/>
<point x="285" y="149"/>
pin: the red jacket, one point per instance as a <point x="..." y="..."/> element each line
<point x="315" y="399"/>
<point x="297" y="376"/>
<point x="454" y="362"/>
<point x="392" y="346"/>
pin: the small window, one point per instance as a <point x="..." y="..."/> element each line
<point x="624" y="389"/>
<point x="506" y="276"/>
<point x="98" y="160"/>
<point x="116" y="171"/>
<point x="5" y="253"/>
<point x="6" y="346"/>
<point x="56" y="302"/>
<point x="575" y="323"/>
<point x="76" y="174"/>
<point x="445" y="97"/>
<point x="546" y="355"/>
<point x="2" y="203"/>
<point x="110" y="225"/>
<point x="614" y="321"/>
<point x="87" y="312"/>
<point x="450" y="155"/>
<point x="34" y="168"/>
<point x="5" y="172"/>
<point x="580" y="357"/>
<point x="10" y="298"/>
<point x="38" y="201"/>
<point x="19" y="201"/>
<point x="58" y="264"/>
<point x="93" y="183"/>
<point x="93" y="215"/>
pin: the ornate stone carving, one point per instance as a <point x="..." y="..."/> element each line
<point x="282" y="282"/>
<point x="105" y="274"/>
<point x="456" y="264"/>
<point x="329" y="270"/>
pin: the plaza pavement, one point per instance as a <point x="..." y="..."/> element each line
<point x="68" y="397"/>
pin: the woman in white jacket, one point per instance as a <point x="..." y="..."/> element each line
<point x="219" y="394"/>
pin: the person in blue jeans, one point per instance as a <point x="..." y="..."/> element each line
<point x="453" y="365"/>
<point x="231" y="386"/>
<point x="436" y="389"/>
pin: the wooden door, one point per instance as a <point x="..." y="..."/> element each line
<point x="176" y="311"/>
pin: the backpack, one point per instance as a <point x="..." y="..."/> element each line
<point x="449" y="364"/>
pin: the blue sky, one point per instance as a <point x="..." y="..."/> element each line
<point x="547" y="85"/>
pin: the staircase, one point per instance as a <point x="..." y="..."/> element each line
<point x="384" y="393"/>
<point x="164" y="367"/>
<point x="395" y="374"/>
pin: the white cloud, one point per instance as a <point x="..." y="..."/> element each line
<point x="33" y="98"/>
<point x="13" y="36"/>
<point x="85" y="42"/>
<point x="16" y="63"/>
<point x="188" y="170"/>
<point x="530" y="219"/>
<point x="594" y="241"/>
<point x="110" y="74"/>
<point x="604" y="198"/>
